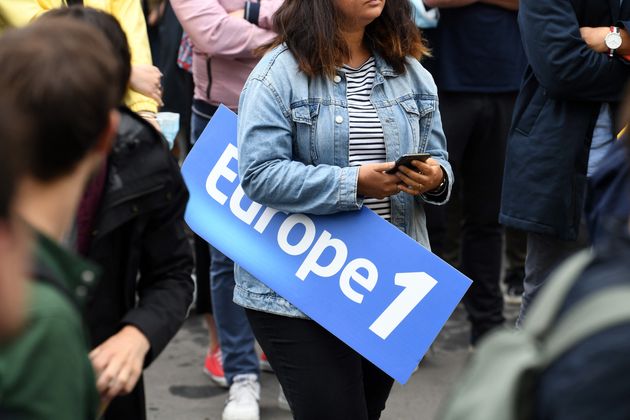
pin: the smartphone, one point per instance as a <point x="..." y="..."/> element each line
<point x="405" y="160"/>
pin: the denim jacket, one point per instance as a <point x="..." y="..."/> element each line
<point x="293" y="138"/>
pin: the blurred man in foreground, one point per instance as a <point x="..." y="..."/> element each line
<point x="58" y="77"/>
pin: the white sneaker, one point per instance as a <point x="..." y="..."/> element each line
<point x="242" y="403"/>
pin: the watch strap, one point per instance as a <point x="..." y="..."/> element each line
<point x="613" y="30"/>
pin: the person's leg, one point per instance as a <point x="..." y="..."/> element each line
<point x="515" y="253"/>
<point x="544" y="253"/>
<point x="213" y="364"/>
<point x="444" y="227"/>
<point x="203" y="304"/>
<point x="482" y="238"/>
<point x="235" y="334"/>
<point x="321" y="376"/>
<point x="443" y="222"/>
<point x="130" y="406"/>
<point x="202" y="250"/>
<point x="377" y="386"/>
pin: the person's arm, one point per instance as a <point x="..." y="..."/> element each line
<point x="147" y="80"/>
<point x="165" y="291"/>
<point x="595" y="39"/>
<point x="562" y="62"/>
<point x="270" y="175"/>
<point x="17" y="13"/>
<point x="261" y="13"/>
<point x="505" y="4"/>
<point x="165" y="287"/>
<point x="129" y="14"/>
<point x="445" y="4"/>
<point x="118" y="362"/>
<point x="438" y="150"/>
<point x="131" y="18"/>
<point x="214" y="32"/>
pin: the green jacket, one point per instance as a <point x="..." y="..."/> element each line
<point x="45" y="372"/>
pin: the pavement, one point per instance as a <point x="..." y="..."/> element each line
<point x="177" y="388"/>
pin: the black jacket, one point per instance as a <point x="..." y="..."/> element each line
<point x="140" y="241"/>
<point x="564" y="87"/>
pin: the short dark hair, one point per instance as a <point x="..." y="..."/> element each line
<point x="312" y="30"/>
<point x="58" y="75"/>
<point x="109" y="26"/>
<point x="12" y="163"/>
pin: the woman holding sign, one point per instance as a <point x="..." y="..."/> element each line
<point x="323" y="116"/>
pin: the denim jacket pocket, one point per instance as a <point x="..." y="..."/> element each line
<point x="419" y="113"/>
<point x="305" y="121"/>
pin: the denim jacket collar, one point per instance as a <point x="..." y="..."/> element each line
<point x="383" y="68"/>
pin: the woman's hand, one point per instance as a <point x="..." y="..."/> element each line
<point x="147" y="80"/>
<point x="427" y="177"/>
<point x="374" y="182"/>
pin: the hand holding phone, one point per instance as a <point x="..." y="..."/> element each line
<point x="405" y="160"/>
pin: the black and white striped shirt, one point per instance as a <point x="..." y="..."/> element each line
<point x="367" y="143"/>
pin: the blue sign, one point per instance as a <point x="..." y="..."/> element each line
<point x="355" y="274"/>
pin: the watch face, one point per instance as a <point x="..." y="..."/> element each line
<point x="613" y="40"/>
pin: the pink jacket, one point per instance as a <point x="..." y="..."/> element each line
<point x="224" y="45"/>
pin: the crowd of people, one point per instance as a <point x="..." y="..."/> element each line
<point x="519" y="104"/>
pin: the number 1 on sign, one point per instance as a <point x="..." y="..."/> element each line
<point x="416" y="287"/>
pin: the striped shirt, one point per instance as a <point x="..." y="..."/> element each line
<point x="367" y="143"/>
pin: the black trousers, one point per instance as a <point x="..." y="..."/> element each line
<point x="321" y="376"/>
<point x="128" y="407"/>
<point x="476" y="127"/>
<point x="202" y="269"/>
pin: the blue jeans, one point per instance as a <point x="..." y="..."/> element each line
<point x="235" y="334"/>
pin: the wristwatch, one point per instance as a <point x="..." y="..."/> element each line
<point x="613" y="40"/>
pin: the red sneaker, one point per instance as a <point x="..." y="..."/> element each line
<point x="264" y="363"/>
<point x="213" y="367"/>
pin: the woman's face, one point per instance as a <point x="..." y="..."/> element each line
<point x="360" y="13"/>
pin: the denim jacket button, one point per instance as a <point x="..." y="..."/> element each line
<point x="337" y="78"/>
<point x="339" y="119"/>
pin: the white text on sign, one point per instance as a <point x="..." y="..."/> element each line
<point x="359" y="272"/>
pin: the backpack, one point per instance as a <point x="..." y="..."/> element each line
<point x="501" y="379"/>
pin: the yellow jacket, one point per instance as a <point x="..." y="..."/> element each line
<point x="15" y="13"/>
